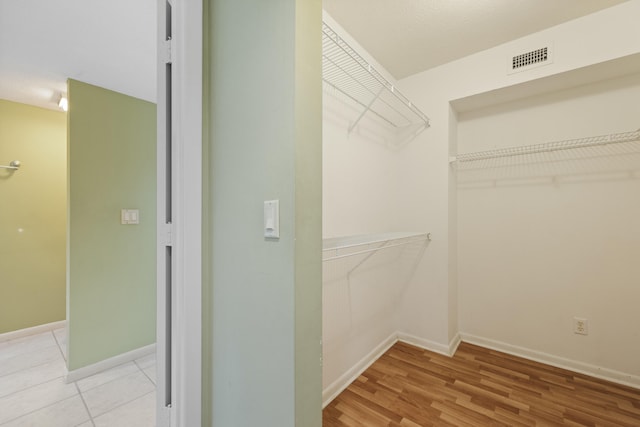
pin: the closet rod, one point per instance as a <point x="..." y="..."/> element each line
<point x="569" y="144"/>
<point x="14" y="165"/>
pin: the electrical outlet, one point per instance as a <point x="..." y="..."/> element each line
<point x="580" y="326"/>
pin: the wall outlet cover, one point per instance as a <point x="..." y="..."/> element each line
<point x="580" y="326"/>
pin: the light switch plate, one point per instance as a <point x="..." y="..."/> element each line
<point x="272" y="219"/>
<point x="130" y="216"/>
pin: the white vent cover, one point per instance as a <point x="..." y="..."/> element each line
<point x="529" y="59"/>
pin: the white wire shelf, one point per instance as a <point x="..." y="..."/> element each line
<point x="342" y="247"/>
<point x="570" y="144"/>
<point x="346" y="71"/>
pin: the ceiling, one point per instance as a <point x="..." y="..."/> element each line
<point x="107" y="43"/>
<point x="112" y="43"/>
<point x="409" y="36"/>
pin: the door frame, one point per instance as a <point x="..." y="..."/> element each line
<point x="184" y="234"/>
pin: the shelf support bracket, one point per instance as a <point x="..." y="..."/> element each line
<point x="354" y="124"/>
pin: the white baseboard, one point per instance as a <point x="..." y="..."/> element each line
<point x="33" y="330"/>
<point x="436" y="347"/>
<point x="112" y="362"/>
<point x="453" y="345"/>
<point x="338" y="386"/>
<point x="557" y="361"/>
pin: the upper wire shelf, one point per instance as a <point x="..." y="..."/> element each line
<point x="346" y="71"/>
<point x="593" y="141"/>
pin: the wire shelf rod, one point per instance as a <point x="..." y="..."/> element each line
<point x="360" y="103"/>
<point x="370" y="70"/>
<point x="335" y="77"/>
<point x="358" y="71"/>
<point x="345" y="70"/>
<point x="367" y="106"/>
<point x="383" y="244"/>
<point x="569" y="144"/>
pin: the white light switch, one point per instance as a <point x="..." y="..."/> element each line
<point x="130" y="216"/>
<point x="272" y="219"/>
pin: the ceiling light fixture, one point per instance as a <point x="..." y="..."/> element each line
<point x="63" y="103"/>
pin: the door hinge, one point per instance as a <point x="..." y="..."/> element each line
<point x="168" y="51"/>
<point x="168" y="234"/>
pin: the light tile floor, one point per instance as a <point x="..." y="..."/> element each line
<point x="33" y="392"/>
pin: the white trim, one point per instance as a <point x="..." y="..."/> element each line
<point x="112" y="362"/>
<point x="454" y="343"/>
<point x="186" y="181"/>
<point x="188" y="96"/>
<point x="436" y="347"/>
<point x="557" y="361"/>
<point x="339" y="385"/>
<point x="163" y="414"/>
<point x="32" y="330"/>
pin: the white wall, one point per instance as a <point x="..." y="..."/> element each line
<point x="361" y="295"/>
<point x="359" y="180"/>
<point x="360" y="186"/>
<point x="534" y="252"/>
<point x="421" y="190"/>
<point x="359" y="302"/>
<point x="427" y="184"/>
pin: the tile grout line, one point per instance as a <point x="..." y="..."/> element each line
<point x="37" y="409"/>
<point x="145" y="374"/>
<point x="30" y="366"/>
<point x="115" y="379"/>
<point x="121" y="405"/>
<point x="59" y="347"/>
<point x="85" y="404"/>
<point x="112" y="379"/>
<point x="21" y="390"/>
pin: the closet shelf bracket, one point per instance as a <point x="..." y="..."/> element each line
<point x="364" y="112"/>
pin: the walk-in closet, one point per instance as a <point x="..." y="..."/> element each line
<point x="486" y="206"/>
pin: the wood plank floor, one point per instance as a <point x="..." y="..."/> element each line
<point x="411" y="387"/>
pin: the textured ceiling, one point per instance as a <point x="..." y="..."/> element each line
<point x="409" y="36"/>
<point x="106" y="43"/>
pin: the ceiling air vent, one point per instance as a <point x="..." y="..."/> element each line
<point x="531" y="59"/>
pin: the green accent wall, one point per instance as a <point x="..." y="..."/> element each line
<point x="32" y="216"/>
<point x="308" y="212"/>
<point x="264" y="142"/>
<point x="207" y="286"/>
<point x="111" y="276"/>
